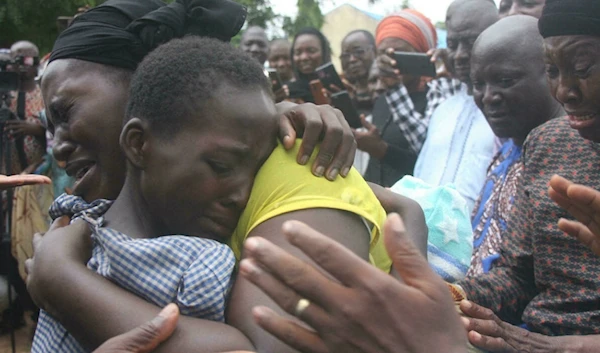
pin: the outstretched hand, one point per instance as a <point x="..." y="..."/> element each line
<point x="362" y="309"/>
<point x="318" y="124"/>
<point x="583" y="203"/>
<point x="7" y="182"/>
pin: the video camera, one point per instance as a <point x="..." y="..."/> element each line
<point x="10" y="71"/>
<point x="10" y="80"/>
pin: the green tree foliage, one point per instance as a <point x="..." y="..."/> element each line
<point x="35" y="20"/>
<point x="309" y="15"/>
<point x="405" y="4"/>
<point x="260" y="14"/>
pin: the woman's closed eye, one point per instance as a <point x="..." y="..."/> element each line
<point x="583" y="71"/>
<point x="59" y="114"/>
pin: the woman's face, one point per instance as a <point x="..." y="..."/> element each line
<point x="308" y="54"/>
<point x="86" y="104"/>
<point x="573" y="71"/>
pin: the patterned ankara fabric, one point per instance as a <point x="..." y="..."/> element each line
<point x="492" y="210"/>
<point x="192" y="272"/>
<point x="412" y="123"/>
<point x="545" y="278"/>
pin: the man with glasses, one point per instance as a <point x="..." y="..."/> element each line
<point x="358" y="55"/>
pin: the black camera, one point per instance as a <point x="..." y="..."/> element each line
<point x="10" y="79"/>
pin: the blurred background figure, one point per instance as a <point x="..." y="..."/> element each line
<point x="310" y="49"/>
<point x="358" y="55"/>
<point x="521" y="7"/>
<point x="256" y="44"/>
<point x="280" y="59"/>
<point x="401" y="115"/>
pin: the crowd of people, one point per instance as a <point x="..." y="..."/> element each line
<point x="174" y="195"/>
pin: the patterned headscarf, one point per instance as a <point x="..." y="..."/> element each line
<point x="122" y="32"/>
<point x="411" y="26"/>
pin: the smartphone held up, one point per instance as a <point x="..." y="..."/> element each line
<point x="275" y="79"/>
<point x="341" y="99"/>
<point x="415" y="64"/>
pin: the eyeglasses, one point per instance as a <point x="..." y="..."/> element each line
<point x="356" y="52"/>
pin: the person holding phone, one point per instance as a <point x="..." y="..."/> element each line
<point x="401" y="115"/>
<point x="310" y="49"/>
<point x="280" y="59"/>
<point x="358" y="55"/>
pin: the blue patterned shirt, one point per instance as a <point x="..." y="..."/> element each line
<point x="192" y="272"/>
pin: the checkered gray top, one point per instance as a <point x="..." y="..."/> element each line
<point x="192" y="272"/>
<point x="412" y="123"/>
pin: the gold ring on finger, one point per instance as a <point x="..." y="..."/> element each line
<point x="301" y="306"/>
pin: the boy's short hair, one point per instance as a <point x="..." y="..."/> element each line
<point x="173" y="82"/>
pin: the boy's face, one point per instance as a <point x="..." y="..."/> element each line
<point x="199" y="180"/>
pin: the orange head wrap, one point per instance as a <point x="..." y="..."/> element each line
<point x="410" y="26"/>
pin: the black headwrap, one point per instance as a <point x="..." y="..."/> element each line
<point x="570" y="17"/>
<point x="301" y="87"/>
<point x="122" y="32"/>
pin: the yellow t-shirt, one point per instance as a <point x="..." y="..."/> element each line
<point x="282" y="186"/>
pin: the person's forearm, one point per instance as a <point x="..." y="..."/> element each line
<point x="577" y="344"/>
<point x="342" y="227"/>
<point x="410" y="211"/>
<point x="414" y="221"/>
<point x="93" y="309"/>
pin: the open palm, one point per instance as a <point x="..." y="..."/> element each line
<point x="583" y="203"/>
